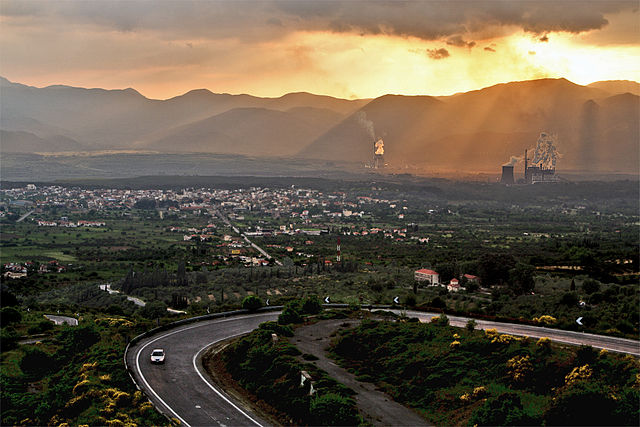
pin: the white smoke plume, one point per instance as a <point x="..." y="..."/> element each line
<point x="546" y="154"/>
<point x="366" y="124"/>
<point x="514" y="161"/>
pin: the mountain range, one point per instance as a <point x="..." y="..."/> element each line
<point x="597" y="126"/>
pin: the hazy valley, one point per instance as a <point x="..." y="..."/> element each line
<point x="597" y="126"/>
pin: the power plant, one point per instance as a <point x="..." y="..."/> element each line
<point x="378" y="154"/>
<point x="541" y="168"/>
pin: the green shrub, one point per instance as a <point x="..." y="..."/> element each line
<point x="277" y="328"/>
<point x="251" y="303"/>
<point x="35" y="363"/>
<point x="9" y="315"/>
<point x="331" y="409"/>
<point x="503" y="410"/>
<point x="289" y="315"/>
<point x="312" y="305"/>
<point x="41" y="327"/>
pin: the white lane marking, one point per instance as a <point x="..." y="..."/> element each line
<point x="195" y="366"/>
<point x="166" y="335"/>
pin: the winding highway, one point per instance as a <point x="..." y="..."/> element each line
<point x="181" y="389"/>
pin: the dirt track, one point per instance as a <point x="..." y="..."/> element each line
<point x="377" y="408"/>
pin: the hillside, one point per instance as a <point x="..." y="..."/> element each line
<point x="249" y="131"/>
<point x="597" y="126"/>
<point x="480" y="130"/>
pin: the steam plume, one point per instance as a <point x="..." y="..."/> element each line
<point x="366" y="124"/>
<point x="514" y="161"/>
<point x="545" y="154"/>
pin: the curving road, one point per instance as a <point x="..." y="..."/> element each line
<point x="181" y="389"/>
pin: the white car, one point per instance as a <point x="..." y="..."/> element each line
<point x="157" y="356"/>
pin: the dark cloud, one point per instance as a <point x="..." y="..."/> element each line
<point x="441" y="53"/>
<point x="489" y="49"/>
<point x="458" y="41"/>
<point x="450" y="20"/>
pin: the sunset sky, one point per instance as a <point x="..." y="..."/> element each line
<point x="345" y="49"/>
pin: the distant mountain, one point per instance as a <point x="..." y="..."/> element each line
<point x="479" y="130"/>
<point x="597" y="126"/>
<point x="618" y="86"/>
<point x="25" y="142"/>
<point x="249" y="131"/>
<point x="119" y="119"/>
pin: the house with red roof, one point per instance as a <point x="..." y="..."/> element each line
<point x="426" y="275"/>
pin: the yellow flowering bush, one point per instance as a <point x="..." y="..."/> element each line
<point x="114" y="322"/>
<point x="579" y="373"/>
<point x="495" y="337"/>
<point x="81" y="387"/>
<point x="543" y="342"/>
<point x="477" y="393"/>
<point x="456" y="336"/>
<point x="545" y="320"/>
<point x="519" y="367"/>
<point x="455" y="344"/>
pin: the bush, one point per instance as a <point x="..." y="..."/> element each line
<point x="9" y="315"/>
<point x="410" y="300"/>
<point x="583" y="403"/>
<point x="251" y="303"/>
<point x="277" y="329"/>
<point x="312" y="305"/>
<point x="331" y="409"/>
<point x="590" y="286"/>
<point x="438" y="302"/>
<point x="289" y="315"/>
<point x="35" y="363"/>
<point x="471" y="325"/>
<point x="41" y="327"/>
<point x="503" y="410"/>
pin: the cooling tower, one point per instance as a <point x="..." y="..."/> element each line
<point x="507" y="175"/>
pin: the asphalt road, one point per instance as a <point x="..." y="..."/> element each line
<point x="569" y="337"/>
<point x="181" y="389"/>
<point x="61" y="320"/>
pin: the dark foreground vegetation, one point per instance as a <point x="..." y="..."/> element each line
<point x="73" y="375"/>
<point x="271" y="369"/>
<point x="460" y="376"/>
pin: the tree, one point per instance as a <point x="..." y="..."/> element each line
<point x="154" y="310"/>
<point x="590" y="286"/>
<point x="9" y="315"/>
<point x="251" y="303"/>
<point x="493" y="269"/>
<point x="521" y="278"/>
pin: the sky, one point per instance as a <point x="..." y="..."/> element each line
<point x="346" y="49"/>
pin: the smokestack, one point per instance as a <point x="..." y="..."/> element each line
<point x="507" y="175"/>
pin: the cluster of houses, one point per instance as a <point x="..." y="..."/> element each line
<point x="70" y="224"/>
<point x="433" y="279"/>
<point x="18" y="270"/>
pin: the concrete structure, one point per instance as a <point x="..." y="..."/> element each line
<point x="507" y="175"/>
<point x="426" y="275"/>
